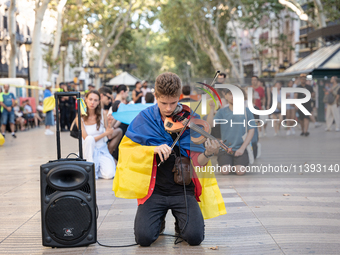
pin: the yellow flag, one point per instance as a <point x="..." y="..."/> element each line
<point x="82" y="106"/>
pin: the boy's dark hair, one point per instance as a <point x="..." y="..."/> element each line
<point x="254" y="76"/>
<point x="149" y="97"/>
<point x="186" y="90"/>
<point x="223" y="74"/>
<point x="168" y="84"/>
<point x="104" y="90"/>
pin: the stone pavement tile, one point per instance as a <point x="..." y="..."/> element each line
<point x="306" y="203"/>
<point x="291" y="229"/>
<point x="292" y="209"/>
<point x="274" y="221"/>
<point x="310" y="248"/>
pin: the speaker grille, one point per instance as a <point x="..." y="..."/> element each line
<point x="68" y="219"/>
<point x="50" y="190"/>
<point x="86" y="188"/>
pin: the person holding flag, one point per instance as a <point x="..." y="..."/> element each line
<point x="145" y="172"/>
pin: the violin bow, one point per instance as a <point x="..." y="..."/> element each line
<point x="187" y="122"/>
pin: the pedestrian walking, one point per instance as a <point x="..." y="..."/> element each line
<point x="332" y="112"/>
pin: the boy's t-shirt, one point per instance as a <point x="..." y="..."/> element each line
<point x="232" y="135"/>
<point x="6" y="98"/>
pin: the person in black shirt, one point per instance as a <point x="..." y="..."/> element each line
<point x="304" y="119"/>
<point x="137" y="93"/>
<point x="64" y="107"/>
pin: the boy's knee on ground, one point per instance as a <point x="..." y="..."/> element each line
<point x="194" y="237"/>
<point x="145" y="238"/>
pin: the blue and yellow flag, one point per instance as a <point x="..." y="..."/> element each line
<point x="136" y="157"/>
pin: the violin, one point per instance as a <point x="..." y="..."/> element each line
<point x="178" y="120"/>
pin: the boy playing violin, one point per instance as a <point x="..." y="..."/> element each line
<point x="139" y="174"/>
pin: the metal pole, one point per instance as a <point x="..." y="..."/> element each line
<point x="29" y="79"/>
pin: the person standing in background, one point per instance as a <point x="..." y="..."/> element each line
<point x="291" y="113"/>
<point x="304" y="119"/>
<point x="49" y="119"/>
<point x="7" y="112"/>
<point x="332" y="112"/>
<point x="145" y="90"/>
<point x="137" y="93"/>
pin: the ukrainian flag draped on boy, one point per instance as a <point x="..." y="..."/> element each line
<point x="136" y="158"/>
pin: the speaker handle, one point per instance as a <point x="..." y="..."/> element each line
<point x="61" y="94"/>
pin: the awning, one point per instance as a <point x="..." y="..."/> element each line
<point x="324" y="58"/>
<point x="124" y="78"/>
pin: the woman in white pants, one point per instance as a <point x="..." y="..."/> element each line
<point x="94" y="133"/>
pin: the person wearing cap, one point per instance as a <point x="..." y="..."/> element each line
<point x="304" y="119"/>
<point x="90" y="87"/>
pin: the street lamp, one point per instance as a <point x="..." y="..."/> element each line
<point x="91" y="63"/>
<point x="265" y="73"/>
<point x="272" y="73"/>
<point x="89" y="68"/>
<point x="281" y="68"/>
<point x="286" y="63"/>
<point x="28" y="46"/>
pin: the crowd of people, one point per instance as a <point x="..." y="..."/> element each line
<point x="109" y="131"/>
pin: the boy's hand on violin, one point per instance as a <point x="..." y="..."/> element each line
<point x="239" y="152"/>
<point x="211" y="146"/>
<point x="163" y="151"/>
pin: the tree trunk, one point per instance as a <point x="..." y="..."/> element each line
<point x="13" y="41"/>
<point x="225" y="50"/>
<point x="241" y="68"/>
<point x="36" y="47"/>
<point x="57" y="36"/>
<point x="208" y="48"/>
<point x="105" y="50"/>
<point x="320" y="14"/>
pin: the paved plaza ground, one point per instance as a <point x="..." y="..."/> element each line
<point x="291" y="214"/>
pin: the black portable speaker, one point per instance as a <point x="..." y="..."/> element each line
<point x="68" y="196"/>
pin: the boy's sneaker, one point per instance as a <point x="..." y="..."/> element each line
<point x="288" y="132"/>
<point x="14" y="135"/>
<point x="3" y="135"/>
